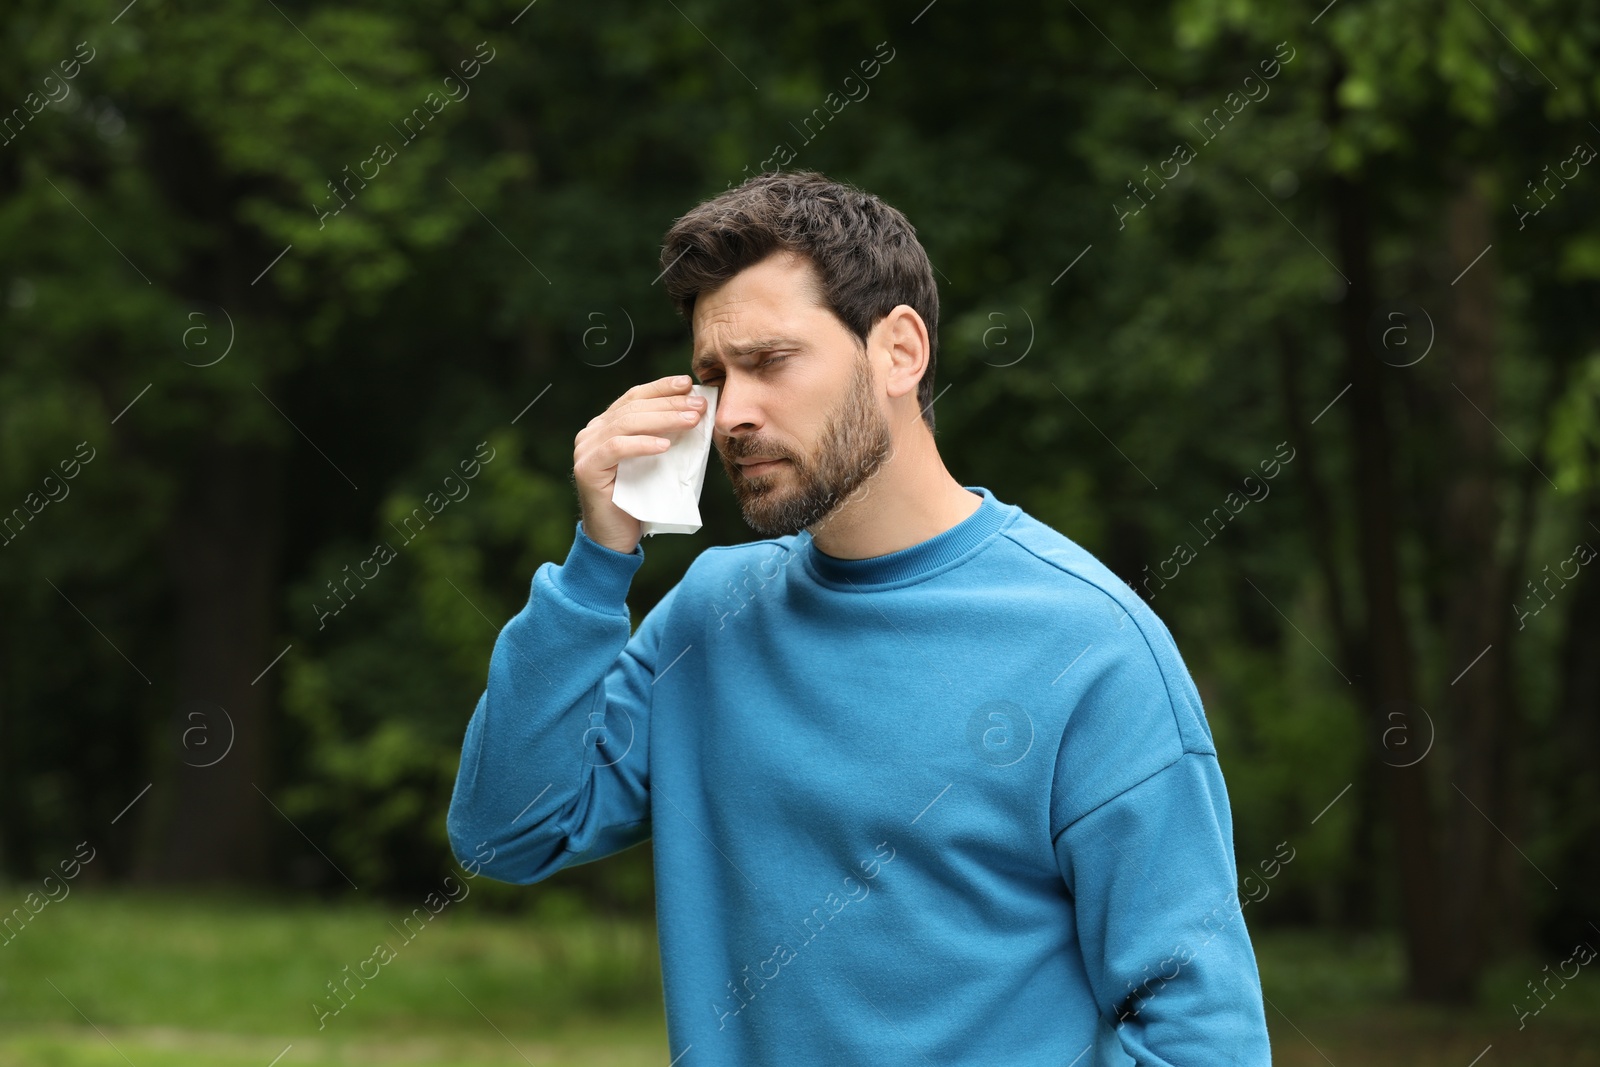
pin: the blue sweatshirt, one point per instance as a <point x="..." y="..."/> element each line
<point x="956" y="804"/>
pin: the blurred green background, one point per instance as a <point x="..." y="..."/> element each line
<point x="1287" y="312"/>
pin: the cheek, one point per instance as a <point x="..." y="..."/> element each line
<point x="804" y="439"/>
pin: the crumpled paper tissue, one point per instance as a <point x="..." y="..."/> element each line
<point x="662" y="491"/>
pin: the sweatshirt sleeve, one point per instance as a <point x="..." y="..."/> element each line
<point x="1152" y="877"/>
<point x="1145" y="846"/>
<point x="554" y="765"/>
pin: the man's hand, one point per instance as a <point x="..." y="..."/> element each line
<point x="636" y="424"/>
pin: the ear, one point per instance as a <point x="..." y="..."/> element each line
<point x="903" y="337"/>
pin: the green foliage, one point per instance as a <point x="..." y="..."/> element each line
<point x="462" y="282"/>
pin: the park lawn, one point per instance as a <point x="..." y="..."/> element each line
<point x="112" y="978"/>
<point x="223" y="980"/>
<point x="1335" y="998"/>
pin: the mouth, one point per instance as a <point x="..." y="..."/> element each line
<point x="751" y="468"/>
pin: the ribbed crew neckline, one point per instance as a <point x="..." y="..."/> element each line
<point x="915" y="561"/>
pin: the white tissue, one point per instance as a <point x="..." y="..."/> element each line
<point x="662" y="491"/>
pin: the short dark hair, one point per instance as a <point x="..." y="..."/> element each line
<point x="865" y="253"/>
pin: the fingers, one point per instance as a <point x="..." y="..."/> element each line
<point x="645" y="415"/>
<point x="640" y="422"/>
<point x="672" y="385"/>
<point x="658" y="421"/>
<point x="616" y="449"/>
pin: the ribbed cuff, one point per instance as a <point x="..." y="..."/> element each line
<point x="596" y="576"/>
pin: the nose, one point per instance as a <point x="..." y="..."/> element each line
<point x="737" y="410"/>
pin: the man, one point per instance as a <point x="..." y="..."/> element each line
<point x="925" y="782"/>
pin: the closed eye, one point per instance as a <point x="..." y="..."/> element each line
<point x="712" y="379"/>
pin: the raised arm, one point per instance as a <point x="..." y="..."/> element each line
<point x="554" y="765"/>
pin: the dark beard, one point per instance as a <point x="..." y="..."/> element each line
<point x="855" y="443"/>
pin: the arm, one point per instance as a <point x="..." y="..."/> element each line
<point x="554" y="766"/>
<point x="1143" y="837"/>
<point x="1152" y="878"/>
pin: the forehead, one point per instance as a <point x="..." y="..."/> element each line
<point x="774" y="301"/>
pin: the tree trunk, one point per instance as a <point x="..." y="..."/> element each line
<point x="1471" y="708"/>
<point x="15" y="847"/>
<point x="1357" y="889"/>
<point x="222" y="554"/>
<point x="1391" y="680"/>
<point x="1576" y="788"/>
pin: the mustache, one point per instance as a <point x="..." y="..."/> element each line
<point x="742" y="448"/>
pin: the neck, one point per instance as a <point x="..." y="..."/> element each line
<point x="909" y="499"/>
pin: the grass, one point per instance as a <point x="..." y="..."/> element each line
<point x="226" y="980"/>
<point x="1337" y="999"/>
<point x="113" y="978"/>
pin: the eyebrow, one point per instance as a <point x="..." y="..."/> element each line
<point x="708" y="360"/>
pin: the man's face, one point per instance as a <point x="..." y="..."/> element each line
<point x="794" y="388"/>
